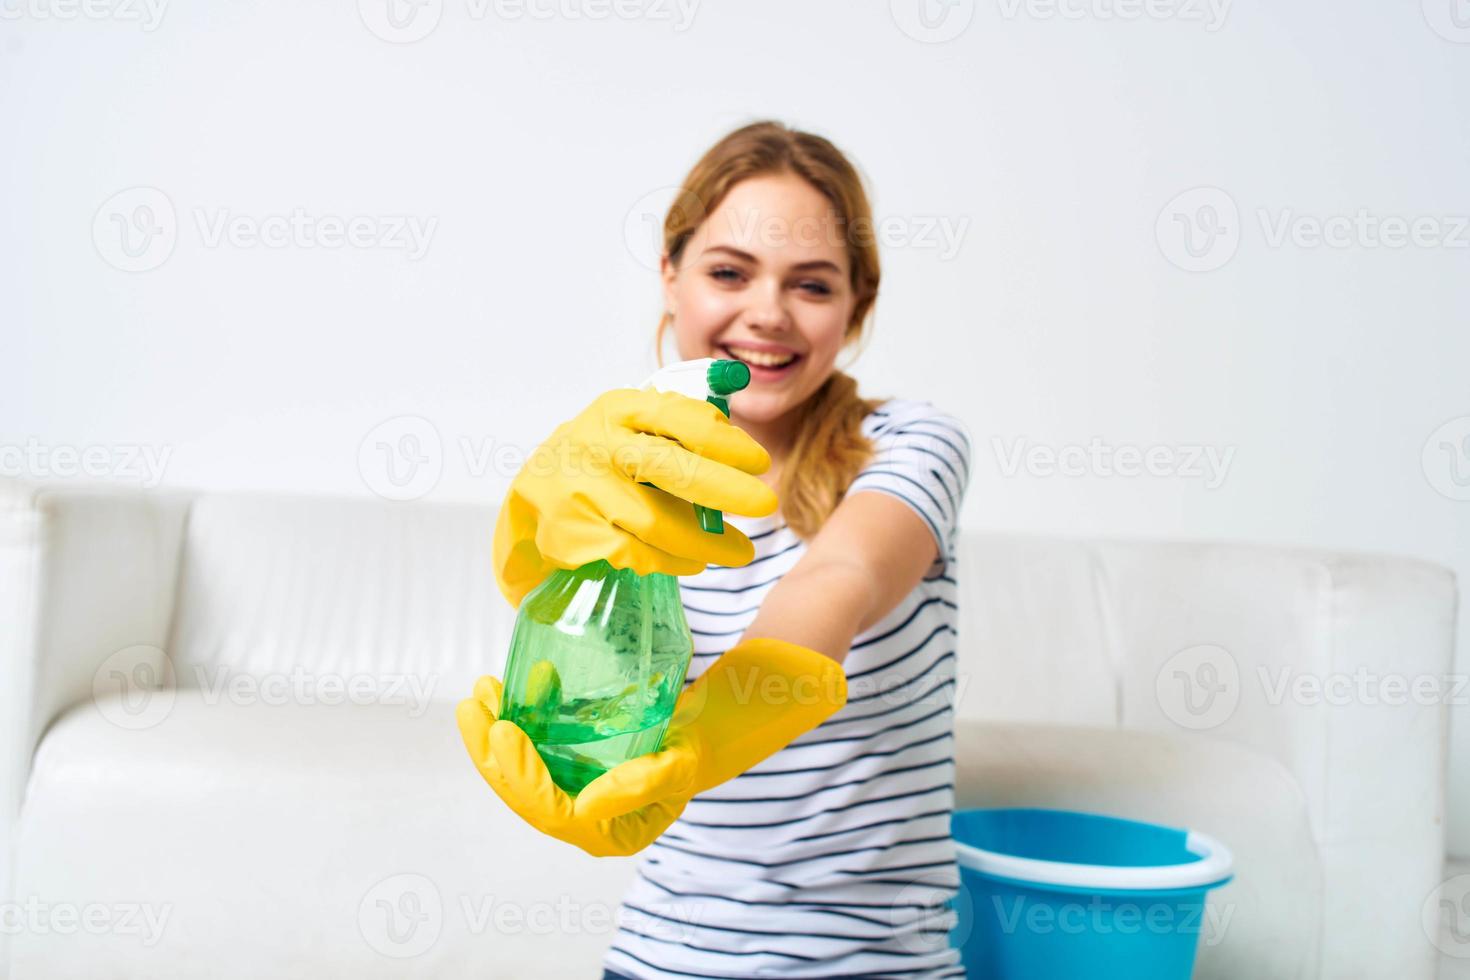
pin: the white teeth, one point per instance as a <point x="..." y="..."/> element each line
<point x="761" y="358"/>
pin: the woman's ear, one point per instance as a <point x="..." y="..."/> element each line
<point x="668" y="272"/>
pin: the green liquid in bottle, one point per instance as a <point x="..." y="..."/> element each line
<point x="597" y="660"/>
<point x="599" y="654"/>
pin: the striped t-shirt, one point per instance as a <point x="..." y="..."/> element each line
<point x="832" y="858"/>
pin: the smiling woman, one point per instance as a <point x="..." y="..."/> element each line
<point x="832" y="857"/>
<point x="786" y="836"/>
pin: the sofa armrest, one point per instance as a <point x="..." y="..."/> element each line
<point x="1387" y="760"/>
<point x="1311" y="658"/>
<point x="1337" y="665"/>
<point x="84" y="573"/>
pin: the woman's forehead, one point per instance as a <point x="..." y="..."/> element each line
<point x="778" y="219"/>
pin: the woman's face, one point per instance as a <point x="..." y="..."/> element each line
<point x="765" y="279"/>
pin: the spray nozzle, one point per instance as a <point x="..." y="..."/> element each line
<point x="726" y="377"/>
<point x="714" y="380"/>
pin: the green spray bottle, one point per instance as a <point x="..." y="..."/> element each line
<point x="599" y="654"/>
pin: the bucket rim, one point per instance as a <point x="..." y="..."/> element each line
<point x="1214" y="868"/>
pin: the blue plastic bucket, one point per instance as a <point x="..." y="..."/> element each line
<point x="1055" y="893"/>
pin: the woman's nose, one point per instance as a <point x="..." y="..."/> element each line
<point x="767" y="308"/>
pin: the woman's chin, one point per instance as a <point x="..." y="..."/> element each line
<point x="759" y="410"/>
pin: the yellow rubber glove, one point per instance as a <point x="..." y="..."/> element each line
<point x="751" y="703"/>
<point x="508" y="761"/>
<point x="578" y="498"/>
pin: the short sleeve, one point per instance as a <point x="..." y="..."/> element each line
<point x="922" y="457"/>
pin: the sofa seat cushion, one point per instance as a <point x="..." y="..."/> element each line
<point x="296" y="841"/>
<point x="248" y="840"/>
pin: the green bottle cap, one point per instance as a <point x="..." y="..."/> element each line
<point x="727" y="377"/>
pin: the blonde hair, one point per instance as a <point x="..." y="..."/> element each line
<point x="830" y="448"/>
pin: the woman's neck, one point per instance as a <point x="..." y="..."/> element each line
<point x="777" y="436"/>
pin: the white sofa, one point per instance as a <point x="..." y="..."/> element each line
<point x="239" y="824"/>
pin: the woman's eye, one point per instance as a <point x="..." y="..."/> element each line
<point x="816" y="287"/>
<point x="725" y="274"/>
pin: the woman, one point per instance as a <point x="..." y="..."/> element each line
<point x="802" y="831"/>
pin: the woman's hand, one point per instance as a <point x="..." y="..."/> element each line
<point x="579" y="496"/>
<point x="751" y="703"/>
<point x="509" y="762"/>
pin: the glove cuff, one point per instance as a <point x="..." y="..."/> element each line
<point x="759" y="697"/>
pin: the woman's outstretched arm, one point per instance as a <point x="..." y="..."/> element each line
<point x="869" y="554"/>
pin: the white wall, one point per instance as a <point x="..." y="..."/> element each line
<point x="536" y="145"/>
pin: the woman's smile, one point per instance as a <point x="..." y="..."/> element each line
<point x="768" y="363"/>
